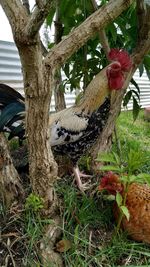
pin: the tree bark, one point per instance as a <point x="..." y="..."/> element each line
<point x="10" y="185"/>
<point x="37" y="84"/>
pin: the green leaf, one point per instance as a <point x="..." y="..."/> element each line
<point x="127" y="98"/>
<point x="136" y="93"/>
<point x="146" y="62"/>
<point x="141" y="69"/>
<point x="144" y="177"/>
<point x="117" y="158"/>
<point x="124" y="178"/>
<point x="110" y="197"/>
<point x="136" y="109"/>
<point x="50" y="17"/>
<point x="110" y="168"/>
<point x="132" y="178"/>
<point x="135" y="84"/>
<point x="112" y="29"/>
<point x="66" y="69"/>
<point x="147" y="72"/>
<point x="125" y="212"/>
<point x="76" y="235"/>
<point x="106" y="157"/>
<point x="118" y="199"/>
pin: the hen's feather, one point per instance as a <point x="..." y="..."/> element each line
<point x="137" y="203"/>
<point x="67" y="126"/>
<point x="95" y="124"/>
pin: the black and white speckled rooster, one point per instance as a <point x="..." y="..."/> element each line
<point x="73" y="130"/>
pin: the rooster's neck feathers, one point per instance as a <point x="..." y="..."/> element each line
<point x="96" y="93"/>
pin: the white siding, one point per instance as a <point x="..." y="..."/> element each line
<point x="144" y="85"/>
<point x="11" y="74"/>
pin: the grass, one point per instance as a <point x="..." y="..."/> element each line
<point x="134" y="135"/>
<point x="88" y="220"/>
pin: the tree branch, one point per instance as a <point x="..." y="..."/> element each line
<point x="39" y="3"/>
<point x="37" y="18"/>
<point x="26" y="5"/>
<point x="102" y="34"/>
<point x="143" y="16"/>
<point x="15" y="13"/>
<point x="97" y="21"/>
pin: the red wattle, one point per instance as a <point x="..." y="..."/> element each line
<point x="116" y="83"/>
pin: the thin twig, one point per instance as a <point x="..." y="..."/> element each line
<point x="102" y="35"/>
<point x="11" y="256"/>
<point x="90" y="243"/>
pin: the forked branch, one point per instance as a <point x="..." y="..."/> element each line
<point x="37" y="18"/>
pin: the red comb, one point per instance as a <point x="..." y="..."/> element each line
<point x="122" y="57"/>
<point x="111" y="183"/>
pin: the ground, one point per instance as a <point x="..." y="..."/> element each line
<point x="88" y="223"/>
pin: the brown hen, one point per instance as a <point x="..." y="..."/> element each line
<point x="138" y="204"/>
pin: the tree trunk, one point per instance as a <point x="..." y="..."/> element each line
<point x="10" y="186"/>
<point x="38" y="81"/>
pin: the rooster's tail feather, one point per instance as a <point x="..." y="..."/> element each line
<point x="12" y="111"/>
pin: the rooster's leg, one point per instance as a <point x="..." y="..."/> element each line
<point x="78" y="176"/>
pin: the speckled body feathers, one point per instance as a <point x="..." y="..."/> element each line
<point x="87" y="136"/>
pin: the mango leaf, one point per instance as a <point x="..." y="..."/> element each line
<point x="141" y="69"/>
<point x="135" y="84"/>
<point x="147" y="72"/>
<point x="50" y="17"/>
<point x="146" y="62"/>
<point x="127" y="98"/>
<point x="66" y="69"/>
<point x="136" y="109"/>
<point x="112" y="29"/>
<point x="136" y="93"/>
<point x="63" y="245"/>
<point x="125" y="212"/>
<point x="118" y="199"/>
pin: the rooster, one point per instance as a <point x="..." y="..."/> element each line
<point x="137" y="202"/>
<point x="73" y="130"/>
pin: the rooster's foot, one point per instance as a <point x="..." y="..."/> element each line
<point x="82" y="187"/>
